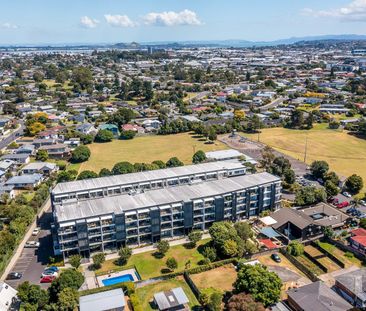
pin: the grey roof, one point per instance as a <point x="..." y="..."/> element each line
<point x="184" y="193"/>
<point x="24" y="179"/>
<point x="39" y="166"/>
<point x="325" y="215"/>
<point x="355" y="281"/>
<point x="284" y="215"/>
<point x="104" y="182"/>
<point x="223" y="154"/>
<point x="109" y="300"/>
<point x="317" y="296"/>
<point x="5" y="164"/>
<point x="15" y="156"/>
<point x="171" y="298"/>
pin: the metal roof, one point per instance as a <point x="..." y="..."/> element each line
<point x="171" y="298"/>
<point x="223" y="154"/>
<point x="184" y="193"/>
<point x="109" y="300"/>
<point x="117" y="180"/>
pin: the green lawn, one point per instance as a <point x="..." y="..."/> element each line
<point x="346" y="154"/>
<point x="150" y="266"/>
<point x="146" y="293"/>
<point x="146" y="149"/>
<point x="349" y="261"/>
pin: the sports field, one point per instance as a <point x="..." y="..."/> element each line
<point x="346" y="154"/>
<point x="146" y="149"/>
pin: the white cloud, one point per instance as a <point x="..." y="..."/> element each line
<point x="119" y="20"/>
<point x="185" y="17"/>
<point x="88" y="22"/>
<point x="355" y="11"/>
<point x="9" y="26"/>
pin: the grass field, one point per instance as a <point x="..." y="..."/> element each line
<point x="311" y="266"/>
<point x="325" y="261"/>
<point x="348" y="261"/>
<point x="150" y="266"/>
<point x="345" y="153"/>
<point x="146" y="149"/>
<point x="221" y="278"/>
<point x="146" y="293"/>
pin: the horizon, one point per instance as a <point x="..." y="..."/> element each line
<point x="94" y="22"/>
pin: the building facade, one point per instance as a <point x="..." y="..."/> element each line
<point x="86" y="225"/>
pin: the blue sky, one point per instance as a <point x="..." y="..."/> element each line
<point x="104" y="21"/>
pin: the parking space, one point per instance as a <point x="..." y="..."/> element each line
<point x="33" y="261"/>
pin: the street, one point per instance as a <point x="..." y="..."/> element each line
<point x="32" y="262"/>
<point x="9" y="139"/>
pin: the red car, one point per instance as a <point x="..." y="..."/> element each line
<point x="342" y="205"/>
<point x="47" y="279"/>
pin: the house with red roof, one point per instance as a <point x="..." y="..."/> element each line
<point x="133" y="127"/>
<point x="358" y="240"/>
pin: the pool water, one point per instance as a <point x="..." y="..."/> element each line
<point x="118" y="279"/>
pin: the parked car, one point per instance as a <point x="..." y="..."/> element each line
<point x="49" y="273"/>
<point x="347" y="194"/>
<point x="333" y="201"/>
<point x="14" y="276"/>
<point x="47" y="279"/>
<point x="342" y="204"/>
<point x="362" y="202"/>
<point x="36" y="231"/>
<point x="52" y="268"/>
<point x="351" y="211"/>
<point x="276" y="257"/>
<point x="32" y="244"/>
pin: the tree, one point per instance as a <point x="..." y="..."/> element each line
<point x="124" y="254"/>
<point x="215" y="301"/>
<point x="319" y="169"/>
<point x="121" y="117"/>
<point x="34" y="128"/>
<point x="363" y="223"/>
<point x="172" y="263"/>
<point x="122" y="168"/>
<point x="263" y="285"/>
<point x="212" y="135"/>
<point x="194" y="237"/>
<point x="32" y="294"/>
<point x="87" y="175"/>
<point x="68" y="278"/>
<point x="230" y="248"/>
<point x="295" y="248"/>
<point x="98" y="259"/>
<point x="105" y="172"/>
<point x="174" y="162"/>
<point x="328" y="232"/>
<point x="354" y="183"/>
<point x="333" y="177"/>
<point x="128" y="135"/>
<point x="244" y="230"/>
<point x="64" y="176"/>
<point x="80" y="154"/>
<point x="104" y="136"/>
<point x="75" y="261"/>
<point x="309" y="195"/>
<point x="82" y="76"/>
<point x="220" y="233"/>
<point x="243" y="302"/>
<point x="331" y="189"/>
<point x="42" y="155"/>
<point x="267" y="157"/>
<point x="38" y="76"/>
<point x="163" y="247"/>
<point x="289" y="176"/>
<point x="209" y="253"/>
<point x="68" y="299"/>
<point x="159" y="163"/>
<point x="199" y="157"/>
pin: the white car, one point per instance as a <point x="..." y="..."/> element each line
<point x="32" y="244"/>
<point x="36" y="231"/>
<point x="347" y="195"/>
<point x="363" y="202"/>
<point x="49" y="273"/>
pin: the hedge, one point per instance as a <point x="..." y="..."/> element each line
<point x="128" y="287"/>
<point x="135" y="302"/>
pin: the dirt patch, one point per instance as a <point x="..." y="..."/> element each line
<point x="322" y="258"/>
<point x="221" y="278"/>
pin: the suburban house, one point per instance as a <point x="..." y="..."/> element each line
<point x="8" y="297"/>
<point x="86" y="128"/>
<point x="6" y="165"/>
<point x="111" y="300"/>
<point x="171" y="300"/>
<point x="316" y="297"/>
<point x="7" y="189"/>
<point x="133" y="127"/>
<point x="308" y="222"/>
<point x="21" y="158"/>
<point x="43" y="168"/>
<point x="352" y="287"/>
<point x="110" y="127"/>
<point x="39" y="142"/>
<point x="25" y="181"/>
<point x="26" y="149"/>
<point x="57" y="151"/>
<point x="358" y="240"/>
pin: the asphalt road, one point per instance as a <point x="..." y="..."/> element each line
<point x="272" y="104"/>
<point x="13" y="136"/>
<point x="32" y="261"/>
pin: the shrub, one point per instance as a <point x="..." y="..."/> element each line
<point x="209" y="253"/>
<point x="162" y="247"/>
<point x="75" y="261"/>
<point x="172" y="263"/>
<point x="104" y="136"/>
<point x="135" y="302"/>
<point x="98" y="259"/>
<point x="295" y="249"/>
<point x="124" y="254"/>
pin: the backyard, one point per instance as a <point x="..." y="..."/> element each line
<point x="149" y="265"/>
<point x="221" y="278"/>
<point x="146" y="149"/>
<point x="346" y="154"/>
<point x="322" y="258"/>
<point x="146" y="293"/>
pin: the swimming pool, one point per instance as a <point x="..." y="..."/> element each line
<point x="118" y="279"/>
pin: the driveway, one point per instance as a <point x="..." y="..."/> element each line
<point x="32" y="261"/>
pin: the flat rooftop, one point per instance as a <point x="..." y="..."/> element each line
<point x="117" y="180"/>
<point x="152" y="198"/>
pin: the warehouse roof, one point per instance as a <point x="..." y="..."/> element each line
<point x="125" y="202"/>
<point x="103" y="182"/>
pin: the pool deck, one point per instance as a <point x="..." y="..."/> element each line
<point x="117" y="274"/>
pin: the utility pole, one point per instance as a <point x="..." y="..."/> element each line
<point x="306" y="148"/>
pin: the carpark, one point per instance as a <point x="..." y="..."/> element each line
<point x="33" y="261"/>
